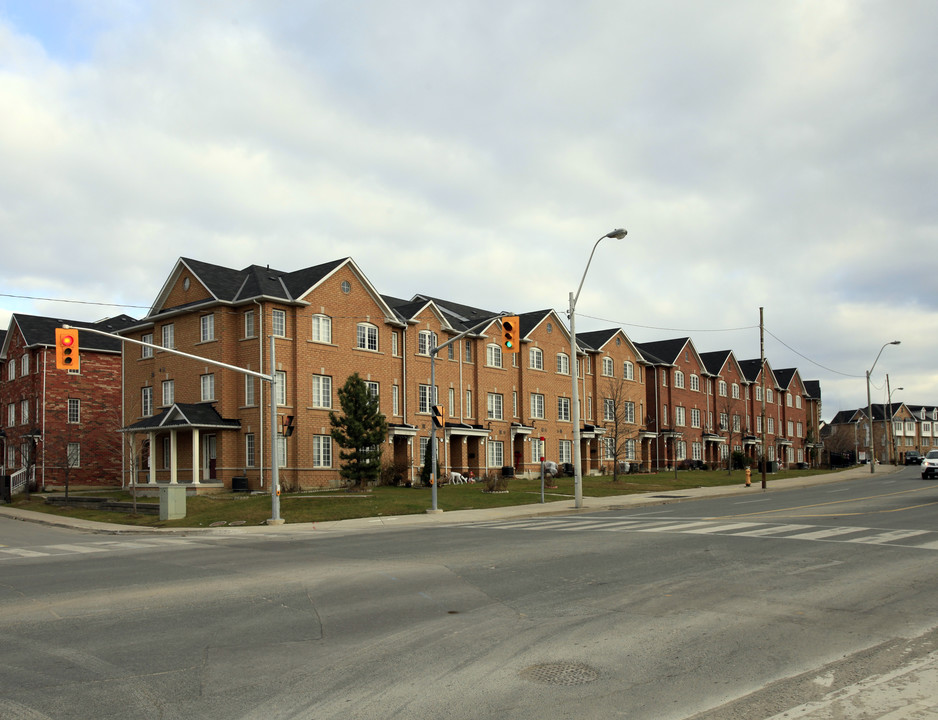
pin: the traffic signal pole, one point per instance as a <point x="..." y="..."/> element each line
<point x="275" y="518"/>
<point x="434" y="479"/>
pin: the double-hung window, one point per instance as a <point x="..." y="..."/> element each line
<point x="609" y="409"/>
<point x="207" y="382"/>
<point x="74" y="410"/>
<point x="426" y="341"/>
<point x="322" y="329"/>
<point x="322" y="451"/>
<point x="563" y="363"/>
<point x="207" y="327"/>
<point x="563" y="408"/>
<point x="281" y="377"/>
<point x="494" y="406"/>
<point x="278" y="323"/>
<point x="425" y="399"/>
<point x="169" y="392"/>
<point x="169" y="336"/>
<point x="249" y="324"/>
<point x="496" y="453"/>
<point x="146" y="401"/>
<point x="146" y="352"/>
<point x="608" y="367"/>
<point x="537" y="406"/>
<point x="493" y="356"/>
<point x="322" y="391"/>
<point x="536" y="359"/>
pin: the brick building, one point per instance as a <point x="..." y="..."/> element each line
<point x="61" y="425"/>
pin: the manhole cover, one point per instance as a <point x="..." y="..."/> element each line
<point x="560" y="673"/>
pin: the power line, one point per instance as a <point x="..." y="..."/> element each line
<point x="74" y="302"/>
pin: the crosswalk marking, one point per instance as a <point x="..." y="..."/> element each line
<point x="104" y="546"/>
<point x="916" y="539"/>
<point x="77" y="548"/>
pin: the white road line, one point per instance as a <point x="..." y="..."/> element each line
<point x="775" y="530"/>
<point x="723" y="528"/>
<point x="77" y="548"/>
<point x="678" y="527"/>
<point x="888" y="536"/>
<point x="828" y="532"/>
<point x="20" y="552"/>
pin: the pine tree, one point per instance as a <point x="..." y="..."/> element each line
<point x="360" y="431"/>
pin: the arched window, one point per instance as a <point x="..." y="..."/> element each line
<point x="678" y="379"/>
<point x="536" y="358"/>
<point x="563" y="363"/>
<point x="367" y="336"/>
<point x="608" y="366"/>
<point x="628" y="370"/>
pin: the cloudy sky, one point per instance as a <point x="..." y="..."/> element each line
<point x="761" y="154"/>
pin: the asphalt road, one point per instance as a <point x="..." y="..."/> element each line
<point x="728" y="607"/>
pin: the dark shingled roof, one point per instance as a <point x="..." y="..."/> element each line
<point x="40" y="331"/>
<point x="201" y="415"/>
<point x="662" y="352"/>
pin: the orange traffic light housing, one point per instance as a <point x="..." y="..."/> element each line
<point x="438" y="416"/>
<point x="66" y="349"/>
<point x="510" y="334"/>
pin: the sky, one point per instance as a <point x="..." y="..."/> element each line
<point x="778" y="154"/>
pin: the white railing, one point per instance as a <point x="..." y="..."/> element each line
<point x="19" y="479"/>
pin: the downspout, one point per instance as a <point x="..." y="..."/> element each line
<point x="260" y="403"/>
<point x="410" y="464"/>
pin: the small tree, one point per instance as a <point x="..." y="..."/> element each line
<point x="619" y="417"/>
<point x="359" y="431"/>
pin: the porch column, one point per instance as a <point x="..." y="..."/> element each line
<point x="196" y="457"/>
<point x="151" y="470"/>
<point x="173" y="463"/>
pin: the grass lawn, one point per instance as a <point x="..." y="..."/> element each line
<point x="338" y="504"/>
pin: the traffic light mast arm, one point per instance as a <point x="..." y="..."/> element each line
<point x="437" y="348"/>
<point x="170" y="350"/>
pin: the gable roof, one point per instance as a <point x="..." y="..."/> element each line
<point x="185" y="415"/>
<point x="663" y="352"/>
<point x="462" y="317"/>
<point x="39" y="331"/>
<point x="812" y="389"/>
<point x="715" y="361"/>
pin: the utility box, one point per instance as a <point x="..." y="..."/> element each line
<point x="172" y="502"/>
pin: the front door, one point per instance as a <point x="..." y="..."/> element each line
<point x="208" y="457"/>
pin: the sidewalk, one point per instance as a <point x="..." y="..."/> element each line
<point x="557" y="507"/>
<point x="908" y="693"/>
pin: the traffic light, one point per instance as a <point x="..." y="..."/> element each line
<point x="288" y="426"/>
<point x="66" y="349"/>
<point x="438" y="418"/>
<point x="510" y="334"/>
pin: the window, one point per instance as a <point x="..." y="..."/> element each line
<point x="73" y="454"/>
<point x="24" y="365"/>
<point x="537" y="449"/>
<point x="537" y="406"/>
<point x="758" y="423"/>
<point x="169" y="336"/>
<point x="788" y="399"/>
<point x="281" y="378"/>
<point x="207" y="327"/>
<point x="628" y="370"/>
<point x="608" y="366"/>
<point x="322" y="329"/>
<point x="630" y="449"/>
<point x="367" y="337"/>
<point x="791" y="428"/>
<point x="696" y="451"/>
<point x="249" y="390"/>
<point x="322" y="391"/>
<point x="146" y="401"/>
<point x="678" y="379"/>
<point x="514" y="403"/>
<point x="722" y="388"/>
<point x="278" y="323"/>
<point x="695" y="383"/>
<point x="735" y="391"/>
<point x="536" y="359"/>
<point x="563" y="408"/>
<point x="496" y="453"/>
<point x="565" y="451"/>
<point x="680" y="450"/>
<point x="609" y="448"/>
<point x="758" y="393"/>
<point x="322" y="451"/>
<point x="469" y="403"/>
<point x="679" y="413"/>
<point x="695" y="417"/>
<point x="724" y="421"/>
<point x="493" y="356"/>
<point x="563" y="363"/>
<point x="467" y="351"/>
<point x="609" y="409"/>
<point x="451" y="351"/>
<point x="494" y="406"/>
<point x="664" y="414"/>
<point x="394" y="341"/>
<point x="396" y="399"/>
<point x="798" y="401"/>
<point x="771" y="426"/>
<point x="169" y="392"/>
<point x="426" y="341"/>
<point x="800" y="430"/>
<point x="146" y="352"/>
<point x="24" y="411"/>
<point x="628" y="412"/>
<point x="249" y="324"/>
<point x="424" y="399"/>
<point x="451" y="401"/>
<point x="372" y="388"/>
<point x="768" y="395"/>
<point x="74" y="410"/>
<point x="207" y="384"/>
<point x="250" y="459"/>
<point x="11" y="371"/>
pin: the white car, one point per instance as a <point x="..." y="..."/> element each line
<point x="930" y="464"/>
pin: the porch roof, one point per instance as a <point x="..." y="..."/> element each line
<point x="184" y="415"/>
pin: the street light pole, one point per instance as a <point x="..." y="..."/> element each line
<point x="869" y="405"/>
<point x="893" y="440"/>
<point x="617" y="234"/>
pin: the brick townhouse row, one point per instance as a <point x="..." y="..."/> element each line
<point x="189" y="421"/>
<point x="897" y="429"/>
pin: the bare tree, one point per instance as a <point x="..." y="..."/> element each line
<point x="619" y="420"/>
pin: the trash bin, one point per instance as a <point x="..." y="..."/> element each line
<point x="508" y="471"/>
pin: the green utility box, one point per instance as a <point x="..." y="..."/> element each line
<point x="172" y="502"/>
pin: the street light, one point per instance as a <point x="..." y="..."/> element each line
<point x="869" y="405"/>
<point x="617" y="234"/>
<point x="892" y="431"/>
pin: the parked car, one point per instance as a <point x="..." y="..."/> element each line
<point x="913" y="457"/>
<point x="930" y="464"/>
